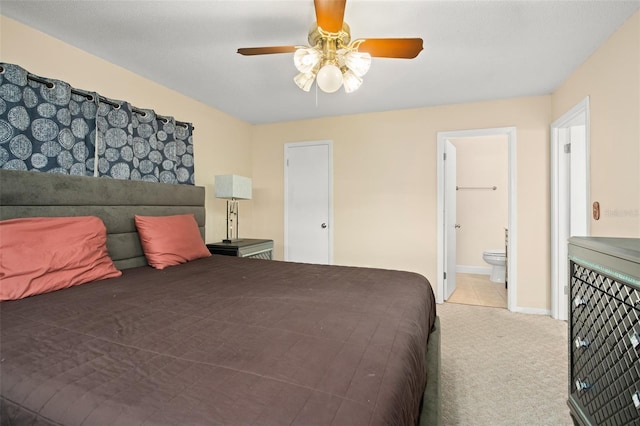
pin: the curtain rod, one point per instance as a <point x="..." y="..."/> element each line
<point x="102" y="99"/>
<point x="493" y="188"/>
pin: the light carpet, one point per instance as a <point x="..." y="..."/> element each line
<point x="502" y="368"/>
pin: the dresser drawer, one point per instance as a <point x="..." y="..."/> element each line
<point x="610" y="285"/>
<point x="609" y="370"/>
<point x="604" y="333"/>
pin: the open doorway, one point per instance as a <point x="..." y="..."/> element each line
<point x="481" y="220"/>
<point x="447" y="223"/>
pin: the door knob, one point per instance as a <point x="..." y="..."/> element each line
<point x="457" y="225"/>
<point x="324" y="225"/>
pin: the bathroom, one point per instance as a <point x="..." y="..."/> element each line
<point x="482" y="198"/>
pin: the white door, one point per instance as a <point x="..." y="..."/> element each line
<point x="579" y="206"/>
<point x="570" y="197"/>
<point x="450" y="226"/>
<point x="308" y="202"/>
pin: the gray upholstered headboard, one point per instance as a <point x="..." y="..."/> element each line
<point x="33" y="194"/>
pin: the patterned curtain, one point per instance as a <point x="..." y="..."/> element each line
<point x="184" y="153"/>
<point x="176" y="146"/>
<point x="145" y="147"/>
<point x="114" y="141"/>
<point x="137" y="144"/>
<point x="46" y="125"/>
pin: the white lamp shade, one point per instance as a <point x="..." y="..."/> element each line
<point x="358" y="62"/>
<point x="233" y="186"/>
<point x="304" y="80"/>
<point x="306" y="59"/>
<point x="329" y="78"/>
<point x="351" y="81"/>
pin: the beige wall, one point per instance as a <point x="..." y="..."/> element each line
<point x="482" y="214"/>
<point x="221" y="142"/>
<point x="611" y="79"/>
<point x="375" y="223"/>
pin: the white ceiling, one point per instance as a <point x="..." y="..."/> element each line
<point x="474" y="50"/>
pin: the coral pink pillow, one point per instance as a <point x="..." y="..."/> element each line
<point x="170" y="240"/>
<point x="43" y="254"/>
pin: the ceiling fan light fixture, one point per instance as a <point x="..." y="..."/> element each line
<point x="330" y="57"/>
<point x="305" y="80"/>
<point x="329" y="78"/>
<point x="358" y="62"/>
<point x="306" y="59"/>
<point x="350" y="81"/>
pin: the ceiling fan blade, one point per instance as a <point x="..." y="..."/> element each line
<point x="330" y="14"/>
<point x="249" y="51"/>
<point x="403" y="48"/>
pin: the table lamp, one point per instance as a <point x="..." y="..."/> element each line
<point x="232" y="188"/>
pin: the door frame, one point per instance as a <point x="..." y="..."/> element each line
<point x="561" y="192"/>
<point x="329" y="144"/>
<point x="512" y="260"/>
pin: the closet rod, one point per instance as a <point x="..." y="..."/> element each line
<point x="493" y="188"/>
<point x="102" y="99"/>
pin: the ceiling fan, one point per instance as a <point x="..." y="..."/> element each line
<point x="331" y="58"/>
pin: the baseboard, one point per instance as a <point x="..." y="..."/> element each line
<point x="534" y="311"/>
<point x="481" y="270"/>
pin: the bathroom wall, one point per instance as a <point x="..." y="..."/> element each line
<point x="481" y="213"/>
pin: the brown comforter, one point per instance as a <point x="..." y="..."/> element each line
<point x="220" y="341"/>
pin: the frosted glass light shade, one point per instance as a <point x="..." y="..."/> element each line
<point x="329" y="78"/>
<point x="233" y="187"/>
<point x="304" y="80"/>
<point x="358" y="62"/>
<point x="351" y="81"/>
<point x="340" y="54"/>
<point x="306" y="59"/>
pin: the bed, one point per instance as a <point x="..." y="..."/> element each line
<point x="215" y="341"/>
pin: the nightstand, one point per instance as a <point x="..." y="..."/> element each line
<point x="245" y="247"/>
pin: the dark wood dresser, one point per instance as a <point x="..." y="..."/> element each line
<point x="604" y="331"/>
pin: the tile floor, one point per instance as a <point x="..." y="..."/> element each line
<point x="475" y="289"/>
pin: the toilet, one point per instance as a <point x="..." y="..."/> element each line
<point x="497" y="259"/>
